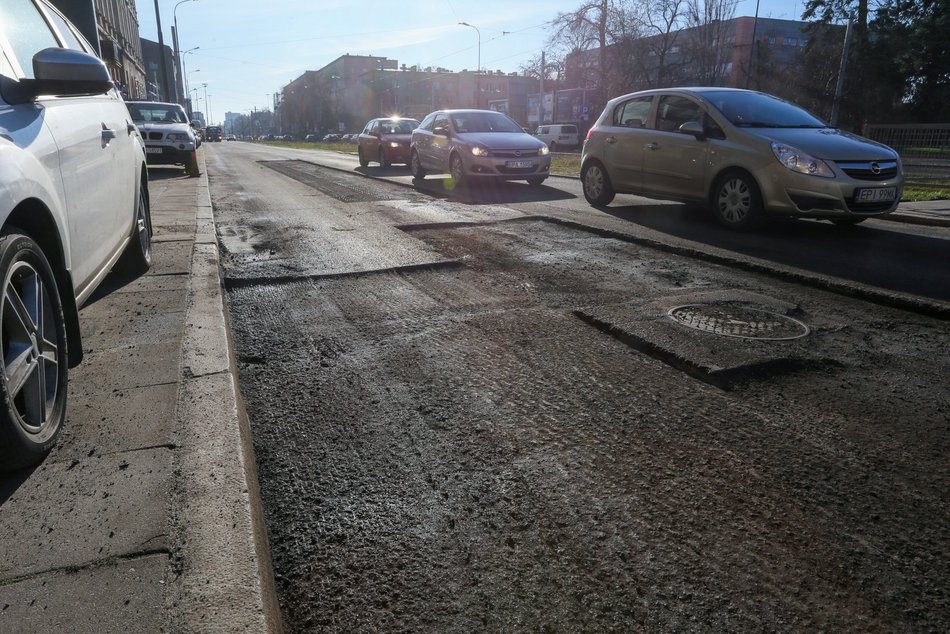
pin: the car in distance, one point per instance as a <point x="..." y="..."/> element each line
<point x="746" y="154"/>
<point x="386" y="141"/>
<point x="558" y="135"/>
<point x="475" y="145"/>
<point x="169" y="138"/>
<point x="73" y="206"/>
<point x="213" y="133"/>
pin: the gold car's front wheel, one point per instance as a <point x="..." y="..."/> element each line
<point x="736" y="200"/>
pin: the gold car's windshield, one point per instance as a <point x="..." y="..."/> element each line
<point x="757" y="110"/>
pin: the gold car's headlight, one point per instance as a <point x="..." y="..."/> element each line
<point x="801" y="162"/>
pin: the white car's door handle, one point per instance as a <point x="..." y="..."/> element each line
<point x="611" y="139"/>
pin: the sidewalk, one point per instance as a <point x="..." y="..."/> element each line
<point x="934" y="213"/>
<point x="144" y="518"/>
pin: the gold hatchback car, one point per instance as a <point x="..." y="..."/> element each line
<point x="746" y="154"/>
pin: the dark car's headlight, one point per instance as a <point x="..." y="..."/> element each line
<point x="479" y="150"/>
<point x="801" y="162"/>
<point x="544" y="150"/>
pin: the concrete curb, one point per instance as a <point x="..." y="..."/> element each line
<point x="226" y="579"/>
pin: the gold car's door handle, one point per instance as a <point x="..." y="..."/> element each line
<point x="650" y="146"/>
<point x="611" y="139"/>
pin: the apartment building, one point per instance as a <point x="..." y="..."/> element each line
<point x="113" y="27"/>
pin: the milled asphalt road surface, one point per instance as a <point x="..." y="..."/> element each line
<point x="142" y="519"/>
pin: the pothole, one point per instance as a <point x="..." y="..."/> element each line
<point x="731" y="319"/>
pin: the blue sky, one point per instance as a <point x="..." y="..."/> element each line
<point x="249" y="49"/>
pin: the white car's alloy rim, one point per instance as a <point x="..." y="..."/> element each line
<point x="30" y="351"/>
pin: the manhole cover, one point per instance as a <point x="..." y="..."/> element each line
<point x="736" y="320"/>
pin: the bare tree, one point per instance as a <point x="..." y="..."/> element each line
<point x="595" y="24"/>
<point x="706" y="47"/>
<point x="646" y="56"/>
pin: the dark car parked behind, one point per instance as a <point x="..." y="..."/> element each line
<point x="386" y="141"/>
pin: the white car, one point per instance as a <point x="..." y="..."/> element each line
<point x="73" y="204"/>
<point x="169" y="138"/>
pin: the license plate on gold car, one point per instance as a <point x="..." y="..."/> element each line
<point x="875" y="195"/>
<point x="519" y="164"/>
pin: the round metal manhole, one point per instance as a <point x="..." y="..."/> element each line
<point x="737" y="320"/>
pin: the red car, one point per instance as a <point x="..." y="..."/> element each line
<point x="386" y="141"/>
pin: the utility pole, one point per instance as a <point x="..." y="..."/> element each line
<point x="541" y="94"/>
<point x="839" y="87"/>
<point x="161" y="51"/>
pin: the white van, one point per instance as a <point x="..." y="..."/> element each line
<point x="558" y="135"/>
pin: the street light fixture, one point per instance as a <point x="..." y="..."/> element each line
<point x="185" y="74"/>
<point x="478" y="71"/>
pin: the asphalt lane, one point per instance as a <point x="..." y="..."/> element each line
<point x="902" y="258"/>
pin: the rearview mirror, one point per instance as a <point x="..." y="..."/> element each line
<point x="61" y="72"/>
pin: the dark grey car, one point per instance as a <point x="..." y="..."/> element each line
<point x="477" y="144"/>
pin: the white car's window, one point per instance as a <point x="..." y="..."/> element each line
<point x="69" y="38"/>
<point x="27" y="32"/>
<point x="633" y="113"/>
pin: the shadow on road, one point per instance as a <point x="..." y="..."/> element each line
<point x="871" y="254"/>
<point x="490" y="192"/>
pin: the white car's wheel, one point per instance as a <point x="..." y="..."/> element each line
<point x="138" y="255"/>
<point x="34" y="361"/>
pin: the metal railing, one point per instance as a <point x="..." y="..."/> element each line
<point x="924" y="148"/>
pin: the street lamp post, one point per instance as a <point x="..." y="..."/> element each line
<point x="207" y="112"/>
<point x="175" y="41"/>
<point x="478" y="71"/>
